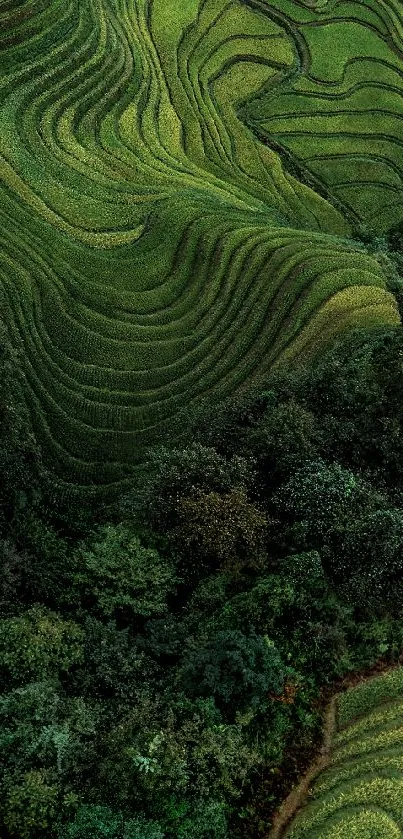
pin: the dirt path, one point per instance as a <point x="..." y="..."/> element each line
<point x="297" y="797"/>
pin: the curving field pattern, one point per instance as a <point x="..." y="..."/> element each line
<point x="158" y="240"/>
<point x="339" y="117"/>
<point x="360" y="794"/>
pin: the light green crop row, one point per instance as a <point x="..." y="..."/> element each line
<point x="367" y="696"/>
<point x="373" y="721"/>
<point x="155" y="250"/>
<point x="368" y="822"/>
<point x="360" y="793"/>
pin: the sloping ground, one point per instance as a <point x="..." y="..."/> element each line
<point x="360" y="793"/>
<point x="340" y="118"/>
<point x="153" y="250"/>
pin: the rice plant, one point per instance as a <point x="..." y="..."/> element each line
<point x="157" y="244"/>
<point x="359" y="794"/>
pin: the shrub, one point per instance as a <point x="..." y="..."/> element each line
<point x="174" y="474"/>
<point x="208" y="820"/>
<point x="100" y="822"/>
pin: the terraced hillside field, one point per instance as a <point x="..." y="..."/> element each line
<point x="360" y="794"/>
<point x="157" y="244"/>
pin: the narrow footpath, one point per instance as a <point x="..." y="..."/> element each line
<point x="297" y="798"/>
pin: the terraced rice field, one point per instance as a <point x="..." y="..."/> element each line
<point x="360" y="794"/>
<point x="157" y="244"/>
<point x="339" y="117"/>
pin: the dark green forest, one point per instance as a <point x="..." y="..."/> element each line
<point x="164" y="656"/>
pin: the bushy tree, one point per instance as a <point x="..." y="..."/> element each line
<point x="237" y="670"/>
<point x="168" y="751"/>
<point x="356" y="528"/>
<point x="112" y="666"/>
<point x="46" y="746"/>
<point x="206" y="820"/>
<point x="173" y="474"/>
<point x="221" y="530"/>
<point x="30" y="804"/>
<point x="286" y="436"/>
<point x="356" y="391"/>
<point x="120" y="578"/>
<point x="40" y="726"/>
<point x="319" y="501"/>
<point x="261" y="607"/>
<point x="11" y="562"/>
<point x="370" y="557"/>
<point x="46" y="565"/>
<point x="37" y="645"/>
<point x="226" y="425"/>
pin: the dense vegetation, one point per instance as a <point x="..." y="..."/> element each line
<point x="162" y="658"/>
<point x="360" y="793"/>
<point x="201" y="401"/>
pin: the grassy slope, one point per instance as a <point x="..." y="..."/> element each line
<point x="360" y="793"/>
<point x="341" y="119"/>
<point x="153" y="249"/>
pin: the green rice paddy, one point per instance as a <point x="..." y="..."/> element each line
<point x="360" y="793"/>
<point x="157" y="246"/>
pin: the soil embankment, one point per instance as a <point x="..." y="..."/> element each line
<point x="298" y="795"/>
